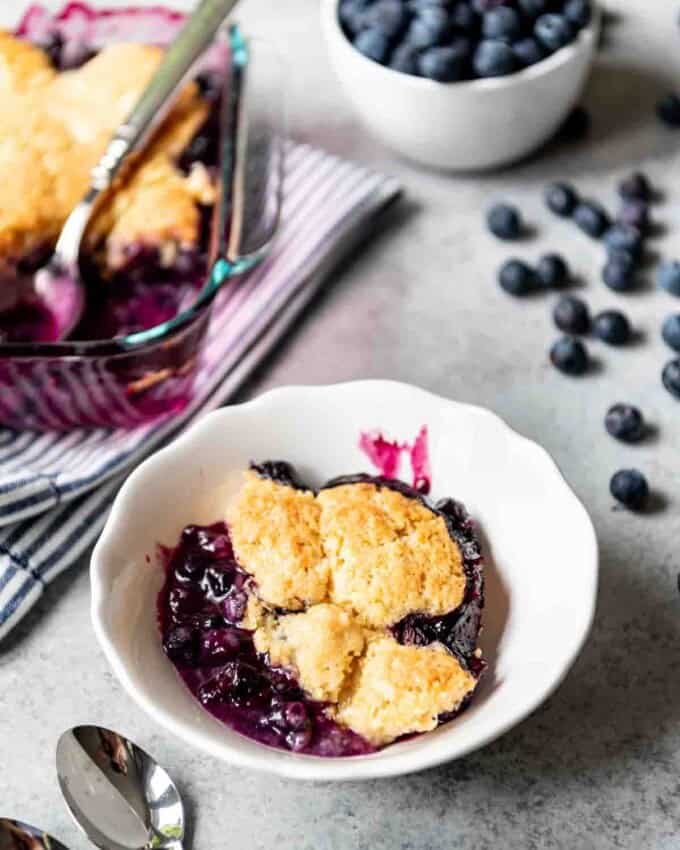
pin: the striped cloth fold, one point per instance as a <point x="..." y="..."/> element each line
<point x="56" y="488"/>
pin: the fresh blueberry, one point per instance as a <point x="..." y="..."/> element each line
<point x="575" y="126"/>
<point x="517" y="278"/>
<point x="481" y="6"/>
<point x="668" y="109"/>
<point x="668" y="276"/>
<point x="671" y="377"/>
<point x="504" y="221"/>
<point x="625" y="422"/>
<point x="389" y="16"/>
<point x="635" y="187"/>
<point x="464" y="18"/>
<point x="503" y="23"/>
<point x="431" y="26"/>
<point x="578" y="12"/>
<point x="444" y="64"/>
<point x="532" y="8"/>
<point x="493" y="59"/>
<point x="623" y="237"/>
<point x="553" y="31"/>
<point x="352" y="15"/>
<point x="569" y="355"/>
<point x="619" y="271"/>
<point x="635" y="214"/>
<point x="372" y="43"/>
<point x="591" y="218"/>
<point x="552" y="271"/>
<point x="561" y="199"/>
<point x="612" y="327"/>
<point x="528" y="52"/>
<point x="630" y="487"/>
<point x="571" y="315"/>
<point x="670" y="331"/>
<point x="405" y="59"/>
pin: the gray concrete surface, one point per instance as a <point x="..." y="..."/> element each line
<point x="598" y="766"/>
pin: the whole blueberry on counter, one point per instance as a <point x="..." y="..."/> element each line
<point x="619" y="271"/>
<point x="561" y="198"/>
<point x="405" y="59"/>
<point x="670" y="331"/>
<point x="552" y="271"/>
<point x="629" y="486"/>
<point x="373" y="43"/>
<point x="517" y="278"/>
<point x="625" y="422"/>
<point x="591" y="218"/>
<point x="668" y="109"/>
<point x="671" y="377"/>
<point x="527" y="52"/>
<point x="668" y="276"/>
<point x="578" y="12"/>
<point x="623" y="237"/>
<point x="493" y="58"/>
<point x="569" y="355"/>
<point x="503" y="23"/>
<point x="612" y="327"/>
<point x="571" y="314"/>
<point x="444" y="64"/>
<point x="553" y="31"/>
<point x="504" y="221"/>
<point x="429" y="27"/>
<point x="635" y="187"/>
<point x="635" y="214"/>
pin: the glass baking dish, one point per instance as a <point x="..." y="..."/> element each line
<point x="126" y="380"/>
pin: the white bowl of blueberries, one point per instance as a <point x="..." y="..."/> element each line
<point x="462" y="84"/>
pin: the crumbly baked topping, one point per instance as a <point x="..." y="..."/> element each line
<point x="54" y="128"/>
<point x="353" y="560"/>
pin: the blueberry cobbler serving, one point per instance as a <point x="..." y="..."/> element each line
<point x="144" y="257"/>
<point x="329" y="622"/>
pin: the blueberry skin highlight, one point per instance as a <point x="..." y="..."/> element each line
<point x="561" y="199"/>
<point x="571" y="315"/>
<point x="625" y="422"/>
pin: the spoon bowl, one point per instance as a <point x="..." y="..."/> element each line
<point x="116" y="793"/>
<point x="15" y="835"/>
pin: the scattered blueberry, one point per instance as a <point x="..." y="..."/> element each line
<point x="668" y="276"/>
<point x="670" y="331"/>
<point x="561" y="198"/>
<point x="569" y="355"/>
<point x="619" y="271"/>
<point x="429" y="27"/>
<point x="635" y="187"/>
<point x="575" y="126"/>
<point x="625" y="423"/>
<point x="372" y="43"/>
<point x="517" y="278"/>
<point x="591" y="218"/>
<point x="571" y="315"/>
<point x="635" y="214"/>
<point x="493" y="59"/>
<point x="668" y="109"/>
<point x="503" y="23"/>
<point x="578" y="12"/>
<point x="611" y="326"/>
<point x="528" y="52"/>
<point x="444" y="64"/>
<point x="552" y="271"/>
<point x="671" y="377"/>
<point x="630" y="487"/>
<point x="623" y="237"/>
<point x="405" y="59"/>
<point x="504" y="221"/>
<point x="553" y="31"/>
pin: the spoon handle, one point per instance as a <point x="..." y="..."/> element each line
<point x="158" y="97"/>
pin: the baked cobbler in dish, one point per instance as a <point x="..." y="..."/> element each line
<point x="145" y="250"/>
<point x="329" y="622"/>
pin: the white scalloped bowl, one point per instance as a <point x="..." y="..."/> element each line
<point x="539" y="543"/>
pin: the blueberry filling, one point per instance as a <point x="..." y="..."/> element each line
<point x="202" y="605"/>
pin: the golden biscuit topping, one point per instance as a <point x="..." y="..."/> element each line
<point x="54" y="128"/>
<point x="353" y="560"/>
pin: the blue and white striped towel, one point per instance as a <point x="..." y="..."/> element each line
<point x="56" y="489"/>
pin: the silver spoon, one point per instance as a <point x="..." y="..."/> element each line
<point x="59" y="282"/>
<point x="116" y="793"/>
<point x="15" y="835"/>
